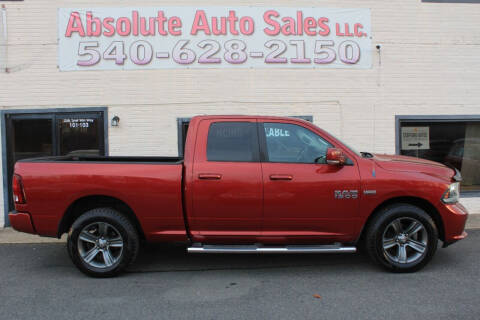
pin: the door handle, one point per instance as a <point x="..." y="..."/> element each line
<point x="281" y="177"/>
<point x="209" y="176"/>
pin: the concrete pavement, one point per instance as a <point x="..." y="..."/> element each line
<point x="38" y="281"/>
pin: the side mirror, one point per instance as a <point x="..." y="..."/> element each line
<point x="335" y="157"/>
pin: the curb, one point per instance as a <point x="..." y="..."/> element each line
<point x="8" y="235"/>
<point x="473" y="221"/>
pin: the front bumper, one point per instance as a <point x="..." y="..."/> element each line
<point x="21" y="221"/>
<point x="454" y="219"/>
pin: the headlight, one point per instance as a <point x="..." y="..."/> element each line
<point x="452" y="194"/>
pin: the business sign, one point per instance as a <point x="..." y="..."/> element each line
<point x="415" y="138"/>
<point x="213" y="37"/>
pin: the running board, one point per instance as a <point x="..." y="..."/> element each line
<point x="211" y="248"/>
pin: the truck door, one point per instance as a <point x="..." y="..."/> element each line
<point x="300" y="202"/>
<point x="227" y="182"/>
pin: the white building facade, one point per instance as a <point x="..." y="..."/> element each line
<point x="384" y="76"/>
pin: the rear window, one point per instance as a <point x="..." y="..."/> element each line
<point x="233" y="141"/>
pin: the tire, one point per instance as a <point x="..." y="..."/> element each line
<point x="102" y="242"/>
<point x="398" y="234"/>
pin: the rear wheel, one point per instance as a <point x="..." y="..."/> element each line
<point x="102" y="242"/>
<point x="402" y="238"/>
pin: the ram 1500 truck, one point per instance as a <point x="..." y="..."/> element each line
<point x="247" y="184"/>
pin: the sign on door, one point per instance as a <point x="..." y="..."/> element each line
<point x="415" y="138"/>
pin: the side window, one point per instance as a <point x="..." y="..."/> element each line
<point x="233" y="141"/>
<point x="293" y="143"/>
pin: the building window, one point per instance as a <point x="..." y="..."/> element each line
<point x="452" y="1"/>
<point x="454" y="142"/>
<point x="182" y="128"/>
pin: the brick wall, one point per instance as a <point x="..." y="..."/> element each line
<point x="428" y="64"/>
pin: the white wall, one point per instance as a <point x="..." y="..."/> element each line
<point x="428" y="64"/>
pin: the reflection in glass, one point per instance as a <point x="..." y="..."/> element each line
<point x="79" y="136"/>
<point x="453" y="143"/>
<point x="32" y="138"/>
<point x="291" y="143"/>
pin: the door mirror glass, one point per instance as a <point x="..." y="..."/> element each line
<point x="335" y="157"/>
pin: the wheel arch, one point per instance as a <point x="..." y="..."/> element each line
<point x="425" y="205"/>
<point x="86" y="203"/>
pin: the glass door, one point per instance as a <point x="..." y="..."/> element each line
<point x="80" y="134"/>
<point x="28" y="136"/>
<point x="52" y="134"/>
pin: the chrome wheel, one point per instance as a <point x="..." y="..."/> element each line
<point x="100" y="245"/>
<point x="405" y="240"/>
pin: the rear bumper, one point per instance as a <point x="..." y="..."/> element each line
<point x="22" y="222"/>
<point x="454" y="219"/>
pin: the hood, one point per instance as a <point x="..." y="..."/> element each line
<point x="412" y="164"/>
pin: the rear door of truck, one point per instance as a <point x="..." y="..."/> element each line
<point x="227" y="181"/>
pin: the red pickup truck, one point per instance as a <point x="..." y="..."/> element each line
<point x="247" y="184"/>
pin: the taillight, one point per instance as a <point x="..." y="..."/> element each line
<point x="17" y="188"/>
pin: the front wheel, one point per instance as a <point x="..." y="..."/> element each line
<point x="102" y="242"/>
<point x="402" y="238"/>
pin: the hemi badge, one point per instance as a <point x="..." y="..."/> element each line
<point x="369" y="191"/>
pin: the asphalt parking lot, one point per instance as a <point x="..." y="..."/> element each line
<point x="39" y="281"/>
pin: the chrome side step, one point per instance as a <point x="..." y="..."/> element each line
<point x="258" y="248"/>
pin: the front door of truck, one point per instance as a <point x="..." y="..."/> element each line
<point x="299" y="187"/>
<point x="227" y="182"/>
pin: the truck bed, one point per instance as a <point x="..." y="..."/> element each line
<point x="106" y="159"/>
<point x="150" y="186"/>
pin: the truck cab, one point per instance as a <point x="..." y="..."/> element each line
<point x="268" y="180"/>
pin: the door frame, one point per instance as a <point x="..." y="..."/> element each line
<point x="32" y="113"/>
